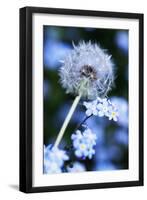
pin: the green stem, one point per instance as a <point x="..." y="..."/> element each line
<point x="66" y="121"/>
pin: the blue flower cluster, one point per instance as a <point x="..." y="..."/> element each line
<point x="101" y="107"/>
<point x="83" y="143"/>
<point x="76" y="167"/>
<point x="54" y="159"/>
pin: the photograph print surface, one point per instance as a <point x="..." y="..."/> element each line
<point x="85" y="97"/>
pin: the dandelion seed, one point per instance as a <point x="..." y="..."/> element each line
<point x="87" y="70"/>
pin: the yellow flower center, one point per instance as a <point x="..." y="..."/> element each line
<point x="113" y="114"/>
<point x="83" y="146"/>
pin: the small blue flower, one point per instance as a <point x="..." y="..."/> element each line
<point x="90" y="136"/>
<point x="84" y="143"/>
<point x="101" y="107"/>
<point x="82" y="150"/>
<point x="77" y="167"/>
<point x="77" y="138"/>
<point x="54" y="159"/>
<point x="113" y="113"/>
<point x="122" y="104"/>
<point x="91" y="108"/>
<point x="51" y="167"/>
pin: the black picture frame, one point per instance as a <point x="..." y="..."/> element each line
<point x="26" y="140"/>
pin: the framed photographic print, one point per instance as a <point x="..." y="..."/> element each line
<point x="81" y="99"/>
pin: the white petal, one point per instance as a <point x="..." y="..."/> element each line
<point x="99" y="106"/>
<point x="95" y="112"/>
<point x="101" y="114"/>
<point x="88" y="112"/>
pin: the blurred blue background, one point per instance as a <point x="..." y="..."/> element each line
<point x="112" y="142"/>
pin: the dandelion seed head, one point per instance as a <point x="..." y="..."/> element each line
<point x="87" y="70"/>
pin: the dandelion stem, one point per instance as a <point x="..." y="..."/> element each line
<point x="67" y="119"/>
